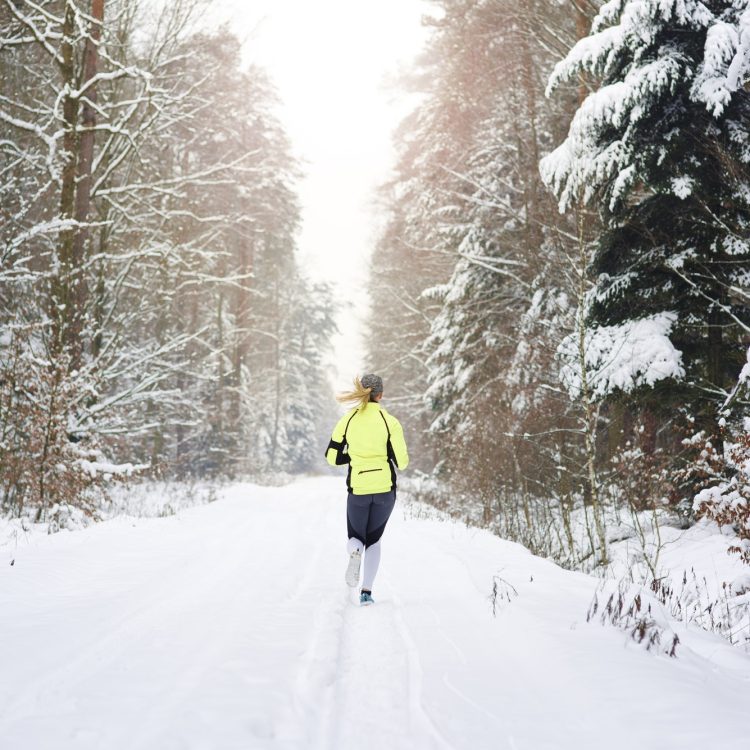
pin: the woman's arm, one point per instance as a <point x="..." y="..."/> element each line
<point x="398" y="442"/>
<point x="334" y="450"/>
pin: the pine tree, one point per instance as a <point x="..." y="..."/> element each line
<point x="469" y="195"/>
<point x="661" y="148"/>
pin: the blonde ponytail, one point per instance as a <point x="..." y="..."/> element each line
<point x="359" y="396"/>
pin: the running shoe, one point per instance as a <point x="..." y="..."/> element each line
<point x="352" y="570"/>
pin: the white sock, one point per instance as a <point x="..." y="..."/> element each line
<point x="372" y="562"/>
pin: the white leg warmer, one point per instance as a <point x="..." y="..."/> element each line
<point x="354" y="544"/>
<point x="372" y="561"/>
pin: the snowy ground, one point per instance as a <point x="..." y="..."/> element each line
<point x="229" y="626"/>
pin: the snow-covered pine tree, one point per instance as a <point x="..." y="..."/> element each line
<point x="299" y="404"/>
<point x="468" y="192"/>
<point x="494" y="223"/>
<point x="445" y="204"/>
<point x="661" y="147"/>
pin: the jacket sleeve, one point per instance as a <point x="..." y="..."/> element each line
<point x="333" y="451"/>
<point x="398" y="443"/>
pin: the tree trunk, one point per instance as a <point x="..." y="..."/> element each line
<point x="242" y="317"/>
<point x="69" y="297"/>
<point x="590" y="409"/>
<point x="582" y="30"/>
<point x="531" y="138"/>
<point x="277" y="367"/>
<point x="60" y="303"/>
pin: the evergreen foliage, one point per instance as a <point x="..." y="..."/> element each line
<point x="469" y="196"/>
<point x="558" y="354"/>
<point x="661" y="148"/>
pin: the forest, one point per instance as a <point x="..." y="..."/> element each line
<point x="562" y="285"/>
<point x="530" y="531"/>
<point x="153" y="318"/>
<point x="559" y="293"/>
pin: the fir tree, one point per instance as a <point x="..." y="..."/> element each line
<point x="661" y="147"/>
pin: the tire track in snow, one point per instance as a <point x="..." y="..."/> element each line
<point x="446" y="563"/>
<point x="314" y="683"/>
<point x="416" y="677"/>
<point x="411" y="645"/>
<point x="327" y="725"/>
<point x="376" y="699"/>
<point x="368" y="688"/>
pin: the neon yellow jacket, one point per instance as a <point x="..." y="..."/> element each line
<point x="361" y="439"/>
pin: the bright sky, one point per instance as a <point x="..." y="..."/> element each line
<point x="331" y="61"/>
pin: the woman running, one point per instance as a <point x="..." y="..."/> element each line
<point x="371" y="441"/>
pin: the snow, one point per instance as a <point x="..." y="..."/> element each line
<point x="682" y="186"/>
<point x="92" y="468"/>
<point x="581" y="164"/>
<point x="726" y="63"/>
<point x="694" y="564"/>
<point x="742" y="381"/>
<point x="633" y="24"/>
<point x="745" y="372"/>
<point x="624" y="357"/>
<point x="623" y="34"/>
<point x="228" y="625"/>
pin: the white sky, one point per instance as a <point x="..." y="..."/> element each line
<point x="331" y="60"/>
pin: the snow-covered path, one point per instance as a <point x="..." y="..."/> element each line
<point x="229" y="626"/>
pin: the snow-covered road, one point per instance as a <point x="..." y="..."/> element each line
<point x="229" y="626"/>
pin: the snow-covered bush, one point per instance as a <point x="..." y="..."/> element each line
<point x="641" y="478"/>
<point x="49" y="461"/>
<point x="692" y="601"/>
<point x="645" y="610"/>
<point x="41" y="463"/>
<point x="635" y="610"/>
<point x="623" y="357"/>
<point x="723" y="465"/>
<point x="65" y="517"/>
<point x="157" y="499"/>
<point x="727" y="498"/>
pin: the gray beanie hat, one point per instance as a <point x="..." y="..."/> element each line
<point x="374" y="382"/>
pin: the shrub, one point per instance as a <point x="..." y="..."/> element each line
<point x="727" y="498"/>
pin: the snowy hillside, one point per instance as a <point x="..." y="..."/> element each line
<point x="229" y="626"/>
